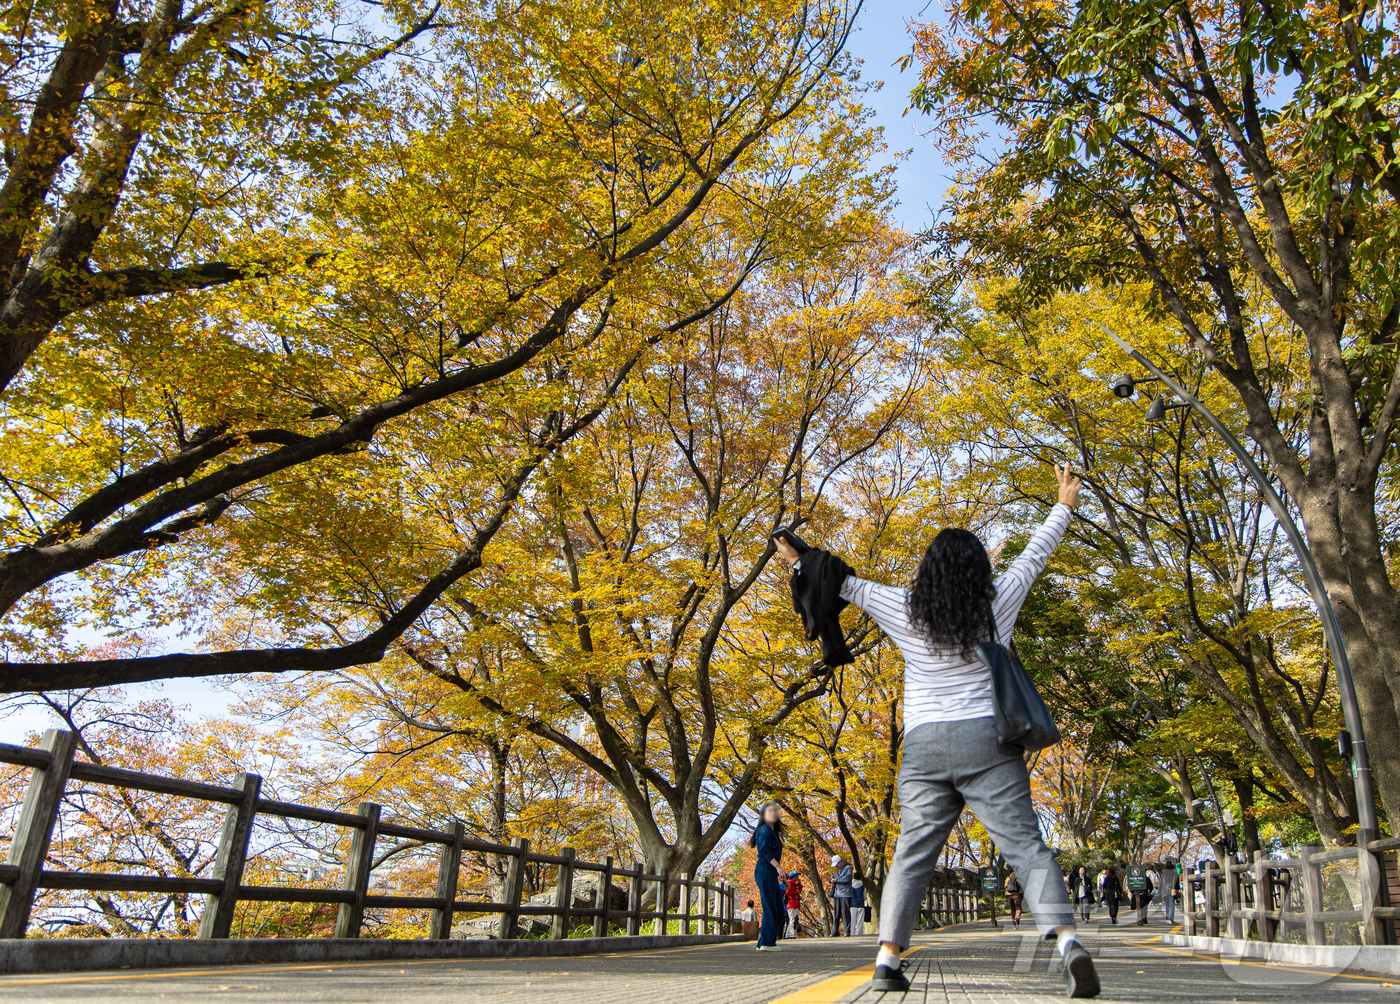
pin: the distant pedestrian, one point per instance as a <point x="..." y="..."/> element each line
<point x="768" y="839"/>
<point x="792" y="895"/>
<point x="748" y="922"/>
<point x="1081" y="890"/>
<point x="858" y="907"/>
<point x="1015" y="896"/>
<point x="841" y="895"/>
<point x="1142" y="898"/>
<point x="1112" y="891"/>
<point x="1168" y="885"/>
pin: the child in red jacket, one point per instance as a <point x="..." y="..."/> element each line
<point x="794" y="902"/>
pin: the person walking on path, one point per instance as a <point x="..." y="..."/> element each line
<point x="951" y="754"/>
<point x="1015" y="895"/>
<point x="1168" y="882"/>
<point x="1081" y="890"/>
<point x="858" y="907"/>
<point x="841" y="895"/>
<point x="793" y="896"/>
<point x="768" y="839"/>
<point x="1112" y="891"/>
<point x="1142" y="898"/>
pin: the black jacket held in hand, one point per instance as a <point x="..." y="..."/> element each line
<point x="816" y="595"/>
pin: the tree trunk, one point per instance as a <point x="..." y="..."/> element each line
<point x="1249" y="825"/>
<point x="496" y="816"/>
<point x="808" y="855"/>
<point x="1349" y="557"/>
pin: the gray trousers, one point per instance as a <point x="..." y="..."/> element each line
<point x="948" y="765"/>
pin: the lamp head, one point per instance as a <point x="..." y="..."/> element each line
<point x="1123" y="386"/>
<point x="1157" y="410"/>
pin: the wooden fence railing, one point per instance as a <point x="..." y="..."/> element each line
<point x="955" y="896"/>
<point x="708" y="906"/>
<point x="1276" y="899"/>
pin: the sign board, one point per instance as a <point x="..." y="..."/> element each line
<point x="989" y="879"/>
<point x="1137" y="878"/>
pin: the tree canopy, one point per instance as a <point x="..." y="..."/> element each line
<point x="436" y="376"/>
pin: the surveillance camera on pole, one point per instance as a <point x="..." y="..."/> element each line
<point x="1124" y="386"/>
<point x="1157" y="410"/>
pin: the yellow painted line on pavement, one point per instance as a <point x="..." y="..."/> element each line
<point x="832" y="990"/>
<point x="1313" y="971"/>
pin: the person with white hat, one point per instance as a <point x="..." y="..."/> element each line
<point x="840" y="895"/>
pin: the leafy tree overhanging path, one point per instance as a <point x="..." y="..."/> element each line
<point x="969" y="963"/>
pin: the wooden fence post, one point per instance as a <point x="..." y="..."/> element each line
<point x="449" y="869"/>
<point x="1212" y="901"/>
<point x="634" y="900"/>
<point x="603" y="900"/>
<point x="357" y="868"/>
<point x="515" y="887"/>
<point x="686" y="880"/>
<point x="663" y="901"/>
<point x="1312" y="898"/>
<point x="563" y="895"/>
<point x="34" y="831"/>
<point x="1264" y="898"/>
<point x="1232" y="902"/>
<point x="217" y="920"/>
<point x="1369" y="875"/>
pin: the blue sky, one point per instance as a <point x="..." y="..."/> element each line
<point x="882" y="37"/>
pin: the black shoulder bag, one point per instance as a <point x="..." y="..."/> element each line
<point x="1023" y="720"/>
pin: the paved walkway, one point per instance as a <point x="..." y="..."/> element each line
<point x="969" y="965"/>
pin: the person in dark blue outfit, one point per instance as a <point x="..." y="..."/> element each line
<point x="768" y="838"/>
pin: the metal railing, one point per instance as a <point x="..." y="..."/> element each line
<point x="52" y="765"/>
<point x="1274" y="899"/>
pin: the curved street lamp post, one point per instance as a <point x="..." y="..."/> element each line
<point x="1360" y="762"/>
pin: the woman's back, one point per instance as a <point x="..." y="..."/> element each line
<point x="941" y="684"/>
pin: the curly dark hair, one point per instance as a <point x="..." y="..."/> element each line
<point x="951" y="599"/>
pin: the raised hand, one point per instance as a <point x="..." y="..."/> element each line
<point x="1069" y="485"/>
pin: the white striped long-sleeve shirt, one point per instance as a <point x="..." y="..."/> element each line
<point x="940" y="685"/>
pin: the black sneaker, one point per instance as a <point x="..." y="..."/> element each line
<point x="889" y="980"/>
<point x="1080" y="978"/>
